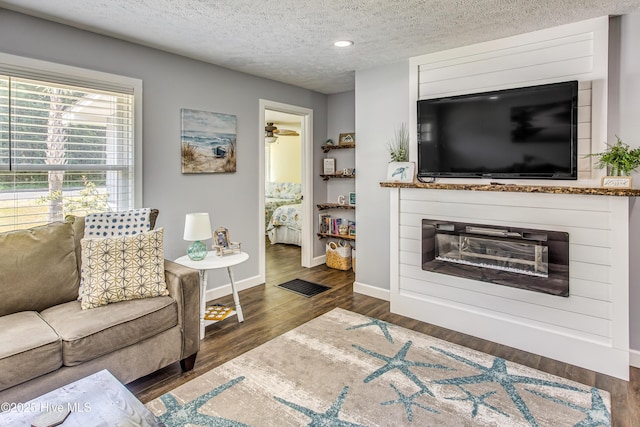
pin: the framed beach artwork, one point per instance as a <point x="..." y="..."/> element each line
<point x="208" y="142"/>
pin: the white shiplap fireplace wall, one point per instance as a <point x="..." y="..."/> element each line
<point x="590" y="328"/>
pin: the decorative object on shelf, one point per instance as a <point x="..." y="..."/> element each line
<point x="217" y="312"/>
<point x="352" y="198"/>
<point x="269" y="137"/>
<point x="343" y="229"/>
<point x="347" y="139"/>
<point x="398" y="146"/>
<point x="401" y="171"/>
<point x="342" y="199"/>
<point x="329" y="166"/>
<point x="208" y="142"/>
<point x="347" y="171"/>
<point x="338" y="255"/>
<point x="620" y="160"/>
<point x="223" y="245"/>
<point x="197" y="227"/>
<point x="329" y="142"/>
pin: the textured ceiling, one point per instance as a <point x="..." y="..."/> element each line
<point x="291" y="40"/>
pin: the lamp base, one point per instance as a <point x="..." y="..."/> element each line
<point x="197" y="251"/>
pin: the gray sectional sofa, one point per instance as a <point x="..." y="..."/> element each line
<point x="47" y="340"/>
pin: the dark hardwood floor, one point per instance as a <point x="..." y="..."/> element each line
<point x="270" y="311"/>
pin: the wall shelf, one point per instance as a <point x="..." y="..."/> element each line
<point x="327" y="148"/>
<point x="325" y="177"/>
<point x="325" y="206"/>
<point x="337" y="236"/>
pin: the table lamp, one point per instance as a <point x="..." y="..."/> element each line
<point x="197" y="227"/>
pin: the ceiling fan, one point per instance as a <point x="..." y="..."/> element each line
<point x="272" y="132"/>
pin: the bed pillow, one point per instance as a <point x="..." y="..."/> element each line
<point x="122" y="268"/>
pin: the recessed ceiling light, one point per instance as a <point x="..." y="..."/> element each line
<point x="343" y="43"/>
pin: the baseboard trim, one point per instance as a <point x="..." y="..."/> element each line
<point x="224" y="290"/>
<point x="634" y="358"/>
<point x="372" y="291"/>
<point x="319" y="260"/>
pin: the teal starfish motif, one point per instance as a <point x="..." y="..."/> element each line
<point x="384" y="327"/>
<point x="187" y="414"/>
<point x="477" y="401"/>
<point x="327" y="418"/>
<point x="597" y="414"/>
<point x="399" y="362"/>
<point x="498" y="374"/>
<point x="408" y="402"/>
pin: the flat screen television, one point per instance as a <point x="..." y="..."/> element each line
<point x="527" y="132"/>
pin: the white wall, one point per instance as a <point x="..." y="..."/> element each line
<point x="172" y="82"/>
<point x="382" y="104"/>
<point x="628" y="128"/>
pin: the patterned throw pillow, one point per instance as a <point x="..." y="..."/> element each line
<point x="123" y="268"/>
<point x="112" y="224"/>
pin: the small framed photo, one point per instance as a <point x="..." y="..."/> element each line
<point x="347" y="138"/>
<point x="222" y="237"/>
<point x="329" y="166"/>
<point x="400" y="171"/>
<point x="352" y="199"/>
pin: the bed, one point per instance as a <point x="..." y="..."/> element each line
<point x="279" y="194"/>
<point x="285" y="225"/>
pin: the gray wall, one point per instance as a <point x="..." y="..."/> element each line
<point x="628" y="128"/>
<point x="172" y="82"/>
<point x="382" y="104"/>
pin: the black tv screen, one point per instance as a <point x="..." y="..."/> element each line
<point x="528" y="132"/>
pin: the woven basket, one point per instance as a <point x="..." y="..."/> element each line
<point x="338" y="255"/>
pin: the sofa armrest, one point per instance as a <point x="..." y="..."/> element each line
<point x="183" y="284"/>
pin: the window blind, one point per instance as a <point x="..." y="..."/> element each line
<point x="64" y="149"/>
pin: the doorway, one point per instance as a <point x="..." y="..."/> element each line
<point x="289" y="117"/>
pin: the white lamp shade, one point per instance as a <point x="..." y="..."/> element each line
<point x="197" y="227"/>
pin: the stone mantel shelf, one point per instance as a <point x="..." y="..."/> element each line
<point x="517" y="188"/>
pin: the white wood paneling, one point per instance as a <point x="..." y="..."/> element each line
<point x="594" y="313"/>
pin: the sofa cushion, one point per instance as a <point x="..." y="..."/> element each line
<point x="87" y="334"/>
<point x="28" y="348"/>
<point x="50" y="248"/>
<point x="122" y="268"/>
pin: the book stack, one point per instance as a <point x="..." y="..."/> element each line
<point x="330" y="225"/>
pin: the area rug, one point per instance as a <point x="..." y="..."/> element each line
<point x="344" y="369"/>
<point x="303" y="287"/>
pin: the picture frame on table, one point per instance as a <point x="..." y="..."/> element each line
<point x="221" y="236"/>
<point x="401" y="171"/>
<point x="347" y="139"/>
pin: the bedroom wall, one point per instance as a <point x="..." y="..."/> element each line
<point x="171" y="82"/>
<point x="285" y="157"/>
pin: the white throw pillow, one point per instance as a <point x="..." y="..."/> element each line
<point x="122" y="268"/>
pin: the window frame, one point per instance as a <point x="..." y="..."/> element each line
<point x="60" y="73"/>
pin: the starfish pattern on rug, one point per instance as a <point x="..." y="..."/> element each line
<point x="477" y="401"/>
<point x="408" y="402"/>
<point x="498" y="374"/>
<point x="327" y="418"/>
<point x="399" y="362"/>
<point x="597" y="414"/>
<point x="384" y="327"/>
<point x="187" y="414"/>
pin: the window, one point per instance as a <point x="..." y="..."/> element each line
<point x="67" y="146"/>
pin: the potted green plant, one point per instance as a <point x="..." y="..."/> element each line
<point x="619" y="158"/>
<point x="398" y="146"/>
<point x="400" y="169"/>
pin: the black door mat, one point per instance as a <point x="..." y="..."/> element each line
<point x="304" y="288"/>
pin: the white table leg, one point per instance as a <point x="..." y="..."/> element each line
<point x="203" y="302"/>
<point x="236" y="298"/>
